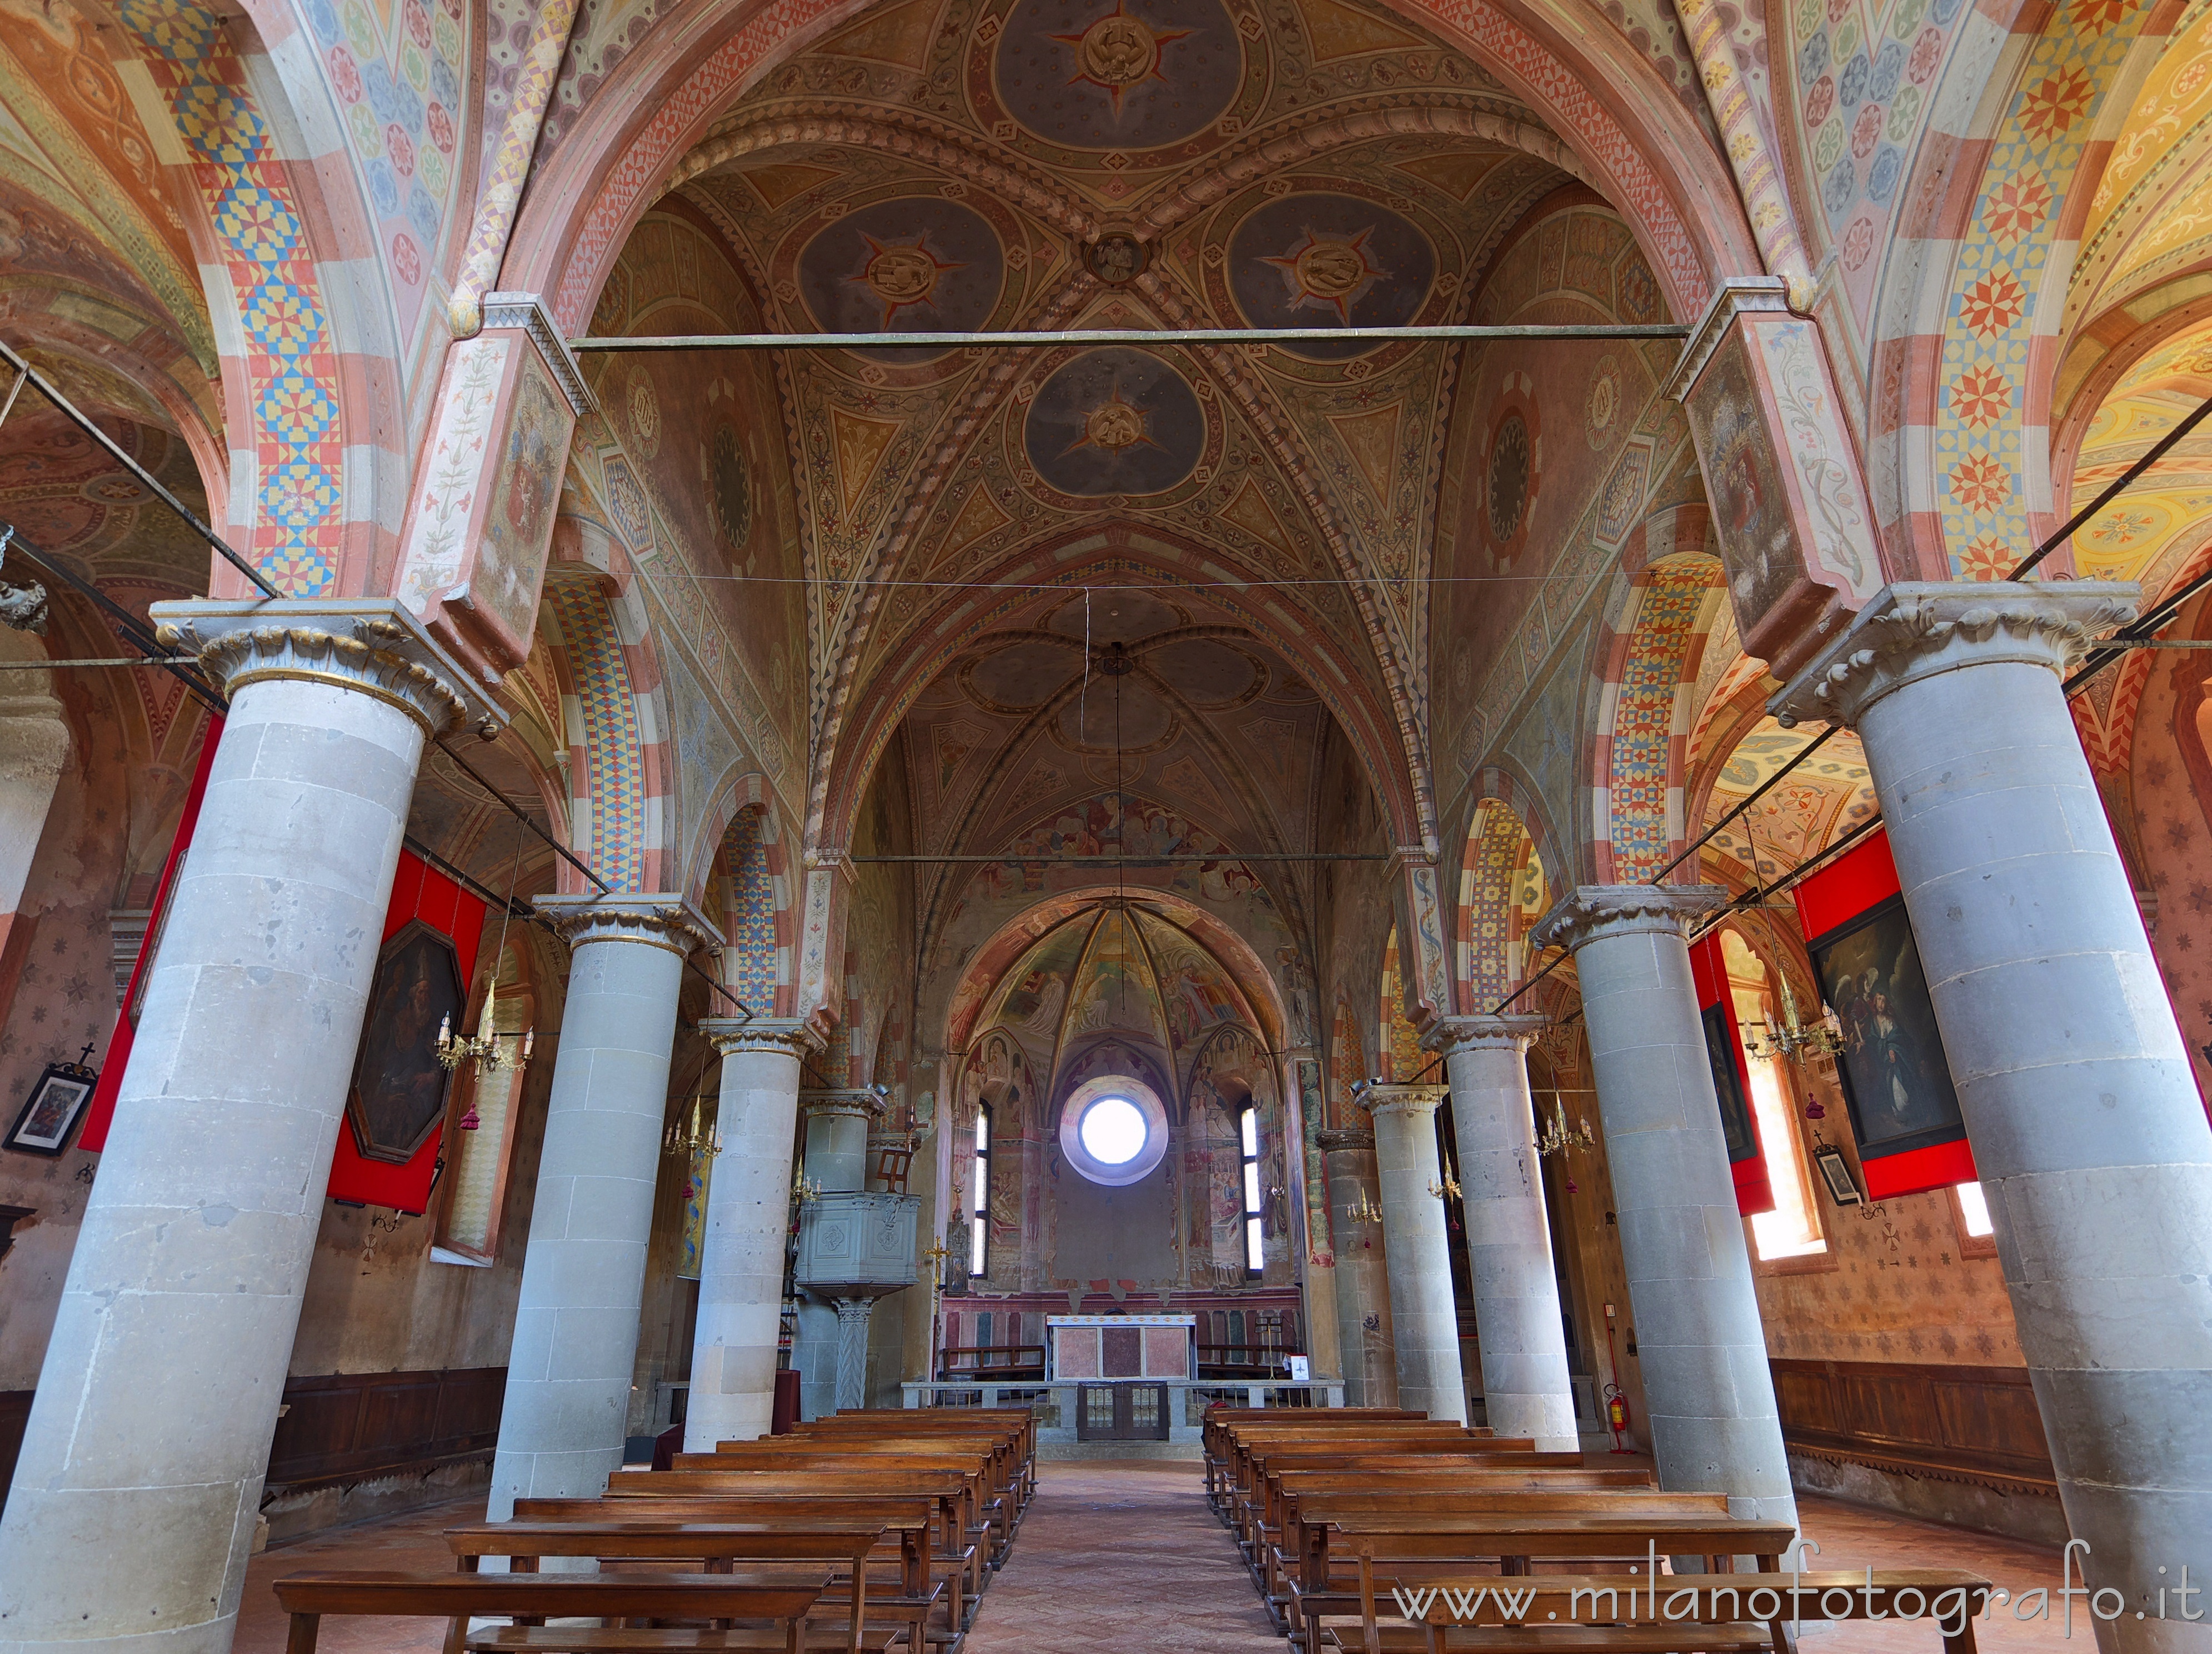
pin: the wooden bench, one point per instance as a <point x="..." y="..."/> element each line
<point x="953" y="1492"/>
<point x="905" y="1552"/>
<point x="1412" y="1552"/>
<point x="717" y="1548"/>
<point x="743" y="1613"/>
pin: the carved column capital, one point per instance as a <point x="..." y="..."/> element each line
<point x="1913" y="630"/>
<point x="851" y="1103"/>
<point x="1396" y="1099"/>
<point x="1346" y="1137"/>
<point x="658" y="920"/>
<point x="777" y="1036"/>
<point x="1590" y="912"/>
<point x="373" y="647"/>
<point x="1450" y="1034"/>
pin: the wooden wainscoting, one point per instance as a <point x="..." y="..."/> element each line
<point x="349" y="1427"/>
<point x="1976" y="1425"/>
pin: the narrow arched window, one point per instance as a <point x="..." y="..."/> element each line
<point x="979" y="1236"/>
<point x="1248" y="1123"/>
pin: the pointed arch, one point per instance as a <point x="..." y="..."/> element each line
<point x="1503" y="889"/>
<point x="1665" y="615"/>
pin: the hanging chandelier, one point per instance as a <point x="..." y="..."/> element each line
<point x="1558" y="1138"/>
<point x="1794" y="1038"/>
<point x="485" y="1049"/>
<point x="685" y="1140"/>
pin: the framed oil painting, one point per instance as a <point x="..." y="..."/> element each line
<point x="1896" y="1079"/>
<point x="1727" y="1086"/>
<point x="399" y="1086"/>
<point x="56" y="1105"/>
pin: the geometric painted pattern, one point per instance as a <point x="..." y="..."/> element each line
<point x="612" y="737"/>
<point x="1642" y="746"/>
<point x="1996" y="292"/>
<point x="748" y="911"/>
<point x="1501" y="881"/>
<point x="290" y="362"/>
<point x="1401" y="1044"/>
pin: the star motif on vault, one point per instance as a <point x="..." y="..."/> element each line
<point x="1117" y="52"/>
<point x="1112" y="425"/>
<point x="1333" y="272"/>
<point x="901" y="274"/>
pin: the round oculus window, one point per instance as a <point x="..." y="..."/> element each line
<point x="1113" y="1130"/>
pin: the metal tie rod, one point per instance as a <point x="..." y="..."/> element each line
<point x="1054" y="340"/>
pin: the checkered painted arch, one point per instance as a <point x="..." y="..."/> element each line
<point x="1503" y="890"/>
<point x="307" y="377"/>
<point x="1644" y="711"/>
<point x="621" y="772"/>
<point x="751" y="871"/>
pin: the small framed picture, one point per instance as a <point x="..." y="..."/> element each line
<point x="1836" y="1172"/>
<point x="57" y="1103"/>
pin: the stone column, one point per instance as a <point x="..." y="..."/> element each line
<point x="1714" y="1427"/>
<point x="139" y="1482"/>
<point x="747" y="1225"/>
<point x="837" y="1124"/>
<point x="2087" y="1129"/>
<point x="1424" y="1320"/>
<point x="583" y="1277"/>
<point x="1363" y="1332"/>
<point x="1508" y="1237"/>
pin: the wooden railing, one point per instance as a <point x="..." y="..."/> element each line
<point x="1004" y="1362"/>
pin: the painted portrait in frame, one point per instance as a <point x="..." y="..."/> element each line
<point x="1896" y="1078"/>
<point x="399" y="1086"/>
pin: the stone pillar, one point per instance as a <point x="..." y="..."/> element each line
<point x="1508" y="1237"/>
<point x="2087" y="1129"/>
<point x="837" y="1124"/>
<point x="139" y="1481"/>
<point x="1714" y="1427"/>
<point x="1363" y="1332"/>
<point x="747" y="1225"/>
<point x="854" y="1316"/>
<point x="1424" y="1320"/>
<point x="583" y="1277"/>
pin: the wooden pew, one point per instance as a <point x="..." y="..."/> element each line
<point x="777" y="1608"/>
<point x="1381" y="1545"/>
<point x="716" y="1548"/>
<point x="1220" y="1424"/>
<point x="908" y="1522"/>
<point x="1295" y="1556"/>
<point x="989" y="1470"/>
<point x="953" y="1490"/>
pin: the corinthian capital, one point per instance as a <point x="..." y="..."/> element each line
<point x="1450" y="1034"/>
<point x="370" y="645"/>
<point x="1916" y="628"/>
<point x="1590" y="912"/>
<point x="656" y="920"/>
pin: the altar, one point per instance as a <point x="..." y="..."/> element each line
<point x="1102" y="1348"/>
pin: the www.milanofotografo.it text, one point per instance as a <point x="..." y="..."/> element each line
<point x="1647" y="1595"/>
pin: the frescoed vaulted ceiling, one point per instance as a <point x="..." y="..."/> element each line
<point x="951" y="165"/>
<point x="2162" y="520"/>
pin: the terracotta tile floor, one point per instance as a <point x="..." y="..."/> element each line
<point x="1123" y="1556"/>
<point x="1132" y="1547"/>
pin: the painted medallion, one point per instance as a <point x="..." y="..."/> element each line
<point x="917" y="263"/>
<point x="1115" y="421"/>
<point x="1117" y="75"/>
<point x="1329" y="261"/>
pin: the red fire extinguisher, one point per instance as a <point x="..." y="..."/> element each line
<point x="1616" y="1416"/>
